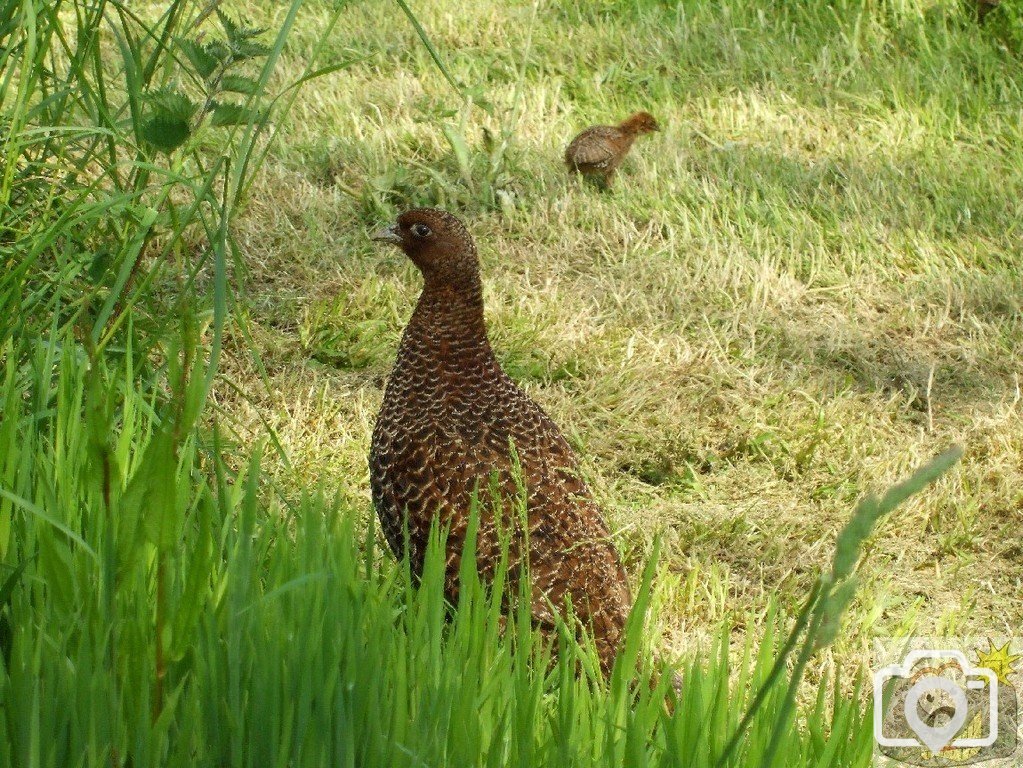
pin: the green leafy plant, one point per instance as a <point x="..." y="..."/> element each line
<point x="126" y="157"/>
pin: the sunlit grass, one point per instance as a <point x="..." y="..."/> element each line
<point x="804" y="286"/>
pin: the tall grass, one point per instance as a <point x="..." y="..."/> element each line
<point x="285" y="640"/>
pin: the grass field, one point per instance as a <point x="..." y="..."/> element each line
<point x="808" y="283"/>
<point x="802" y="289"/>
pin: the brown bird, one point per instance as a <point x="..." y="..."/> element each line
<point x="600" y="149"/>
<point x="453" y="423"/>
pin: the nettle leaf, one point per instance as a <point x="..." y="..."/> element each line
<point x="169" y="123"/>
<point x="205" y="58"/>
<point x="231" y="29"/>
<point x="249" y="49"/>
<point x="218" y="49"/>
<point x="239" y="84"/>
<point x="242" y="39"/>
<point x="235" y="114"/>
<point x="171" y="104"/>
<point x="165" y="133"/>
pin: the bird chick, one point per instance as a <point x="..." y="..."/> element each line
<point x="453" y="423"/>
<point x="598" y="151"/>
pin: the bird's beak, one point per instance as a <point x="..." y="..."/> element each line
<point x="387" y="235"/>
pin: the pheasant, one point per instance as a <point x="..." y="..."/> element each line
<point x="453" y="423"/>
<point x="600" y="149"/>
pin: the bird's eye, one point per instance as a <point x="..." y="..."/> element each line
<point x="420" y="230"/>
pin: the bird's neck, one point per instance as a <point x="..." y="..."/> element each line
<point x="448" y="326"/>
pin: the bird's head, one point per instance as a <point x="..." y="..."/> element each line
<point x="436" y="242"/>
<point x="641" y="122"/>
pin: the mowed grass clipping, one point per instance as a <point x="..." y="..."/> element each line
<point x="806" y="284"/>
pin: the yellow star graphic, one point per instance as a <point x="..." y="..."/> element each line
<point x="999" y="661"/>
